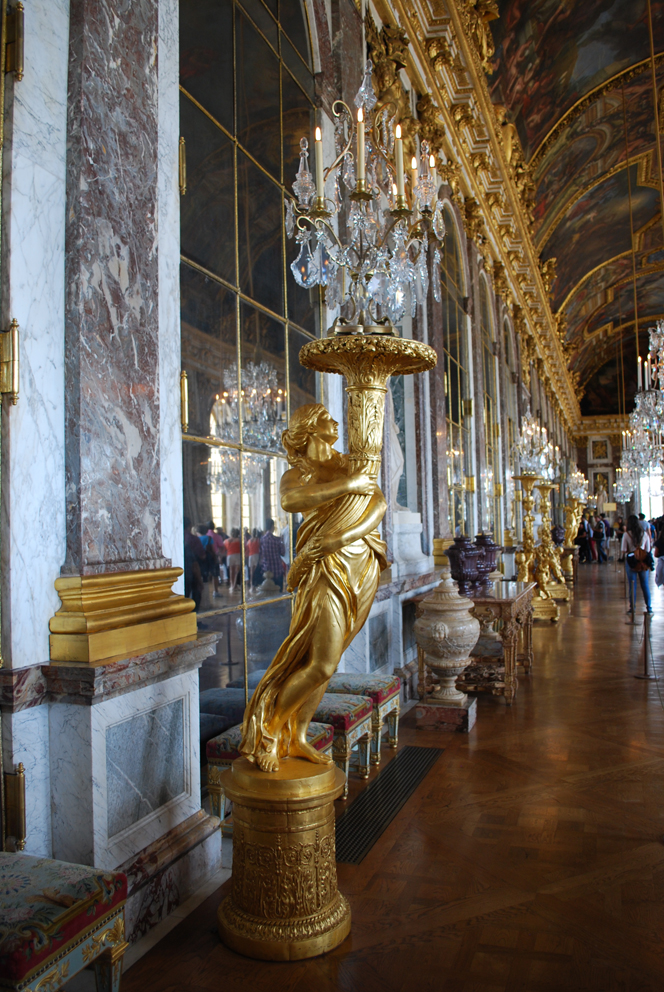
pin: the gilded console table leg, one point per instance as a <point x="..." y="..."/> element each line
<point x="510" y="637"/>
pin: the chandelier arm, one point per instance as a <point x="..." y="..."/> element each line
<point x="375" y="132"/>
<point x="340" y="157"/>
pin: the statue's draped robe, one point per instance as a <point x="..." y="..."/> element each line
<point x="344" y="582"/>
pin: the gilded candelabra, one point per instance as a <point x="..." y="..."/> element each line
<point x="573" y="513"/>
<point x="549" y="574"/>
<point x="284" y="902"/>
<point x="525" y="559"/>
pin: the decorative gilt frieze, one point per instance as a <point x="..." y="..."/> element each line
<point x="388" y="50"/>
<point x="431" y="126"/>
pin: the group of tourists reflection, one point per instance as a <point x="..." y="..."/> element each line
<point x="213" y="557"/>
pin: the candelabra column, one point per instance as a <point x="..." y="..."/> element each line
<point x="544" y="605"/>
<point x="572" y="517"/>
<point x="525" y="559"/>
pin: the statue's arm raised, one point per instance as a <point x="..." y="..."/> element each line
<point x="297" y="497"/>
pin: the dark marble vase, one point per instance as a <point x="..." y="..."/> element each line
<point x="464" y="558"/>
<point x="558" y="534"/>
<point x="491" y="551"/>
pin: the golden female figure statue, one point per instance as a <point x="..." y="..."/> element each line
<point x="285" y="903"/>
<point x="336" y="571"/>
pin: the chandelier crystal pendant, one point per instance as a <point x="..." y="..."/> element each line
<point x="380" y="270"/>
<point x="259" y="403"/>
<point x="577" y="486"/>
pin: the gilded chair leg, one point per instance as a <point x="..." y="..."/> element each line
<point x="108" y="969"/>
<point x="393" y="728"/>
<point x="364" y="747"/>
<point x="217" y="801"/>
<point x="375" y="743"/>
<point x="342" y="761"/>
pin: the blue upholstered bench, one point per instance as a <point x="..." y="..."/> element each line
<point x="224" y="749"/>
<point x="57" y="918"/>
<point x="385" y="694"/>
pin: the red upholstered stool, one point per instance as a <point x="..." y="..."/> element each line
<point x="350" y="716"/>
<point x="223" y="750"/>
<point x="385" y="693"/>
<point x="56" y="919"/>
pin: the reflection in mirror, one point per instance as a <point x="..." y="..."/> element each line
<point x="227" y="663"/>
<point x="260" y="220"/>
<point x="264" y="394"/>
<point x="267" y="627"/>
<point x="206" y="55"/>
<point x="213" y="554"/>
<point x="304" y="383"/>
<point x="209" y="347"/>
<point x="266" y="528"/>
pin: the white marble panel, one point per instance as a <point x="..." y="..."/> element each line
<point x="25" y="739"/>
<point x="354" y="659"/>
<point x="33" y="233"/>
<point x="168" y="213"/>
<point x="79" y="780"/>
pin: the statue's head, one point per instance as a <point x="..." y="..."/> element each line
<point x="308" y="423"/>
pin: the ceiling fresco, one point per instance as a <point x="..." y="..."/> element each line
<point x="597" y="227"/>
<point x="575" y="78"/>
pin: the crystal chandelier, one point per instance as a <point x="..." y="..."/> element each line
<point x="380" y="271"/>
<point x="260" y="403"/>
<point x="577" y="486"/>
<point x="534" y="451"/>
<point x="224" y="472"/>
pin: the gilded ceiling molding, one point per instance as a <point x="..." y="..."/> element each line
<point x="483" y="162"/>
<point x="586" y="101"/>
<point x="603" y="424"/>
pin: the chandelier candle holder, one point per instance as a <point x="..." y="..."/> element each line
<point x="395" y="226"/>
<point x="548" y="573"/>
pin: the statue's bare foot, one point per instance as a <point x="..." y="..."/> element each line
<point x="268" y="759"/>
<point x="300" y="749"/>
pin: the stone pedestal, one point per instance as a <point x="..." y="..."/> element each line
<point x="284" y="904"/>
<point x="407" y="545"/>
<point x="435" y="716"/>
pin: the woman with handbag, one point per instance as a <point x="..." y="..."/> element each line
<point x="638" y="561"/>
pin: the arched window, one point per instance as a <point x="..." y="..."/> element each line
<point x="491" y="500"/>
<point x="247" y="89"/>
<point x="457" y="381"/>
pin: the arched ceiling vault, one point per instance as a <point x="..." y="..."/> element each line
<point x="575" y="79"/>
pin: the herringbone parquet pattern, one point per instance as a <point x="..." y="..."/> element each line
<point x="530" y="858"/>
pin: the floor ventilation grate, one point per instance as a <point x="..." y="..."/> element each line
<point x="370" y="813"/>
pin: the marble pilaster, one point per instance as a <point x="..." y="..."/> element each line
<point x="112" y="420"/>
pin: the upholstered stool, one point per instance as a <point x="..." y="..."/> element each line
<point x="57" y="918"/>
<point x="223" y="750"/>
<point x="228" y="704"/>
<point x="350" y="716"/>
<point x="385" y="693"/>
<point x="253" y="678"/>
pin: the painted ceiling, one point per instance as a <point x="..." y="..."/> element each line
<point x="575" y="79"/>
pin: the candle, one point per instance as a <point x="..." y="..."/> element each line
<point x="434" y="172"/>
<point x="638" y="373"/>
<point x="320" y="180"/>
<point x="360" y="144"/>
<point x="413" y="170"/>
<point x="398" y="152"/>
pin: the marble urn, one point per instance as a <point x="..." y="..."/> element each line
<point x="446" y="632"/>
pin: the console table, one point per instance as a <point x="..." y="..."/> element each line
<point x="511" y="602"/>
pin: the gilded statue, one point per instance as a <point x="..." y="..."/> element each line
<point x="339" y="557"/>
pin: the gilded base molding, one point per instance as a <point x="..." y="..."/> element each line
<point x="545" y="609"/>
<point x="559" y="592"/>
<point x="284" y="903"/>
<point x="118" y="615"/>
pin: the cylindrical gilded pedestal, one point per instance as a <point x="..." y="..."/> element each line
<point x="284" y="903"/>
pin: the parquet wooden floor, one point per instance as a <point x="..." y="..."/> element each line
<point x="530" y="859"/>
